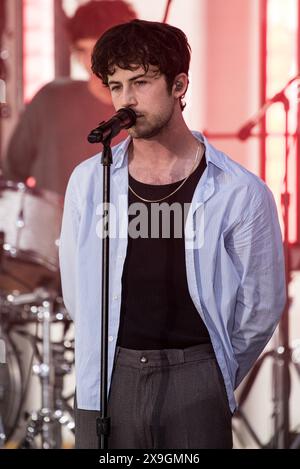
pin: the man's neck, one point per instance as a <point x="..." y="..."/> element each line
<point x="166" y="158"/>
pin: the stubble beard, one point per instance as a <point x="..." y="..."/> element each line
<point x="150" y="130"/>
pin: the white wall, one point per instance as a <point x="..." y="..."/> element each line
<point x="190" y="17"/>
<point x="232" y="71"/>
<point x="224" y="89"/>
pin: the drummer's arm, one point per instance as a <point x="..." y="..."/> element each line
<point x="68" y="246"/>
<point x="22" y="147"/>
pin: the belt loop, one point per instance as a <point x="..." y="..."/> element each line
<point x="181" y="356"/>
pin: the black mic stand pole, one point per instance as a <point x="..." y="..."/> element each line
<point x="104" y="133"/>
<point x="103" y="421"/>
<point x="281" y="439"/>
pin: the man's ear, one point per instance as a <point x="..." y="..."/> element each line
<point x="180" y="85"/>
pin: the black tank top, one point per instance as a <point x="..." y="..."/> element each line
<point x="157" y="311"/>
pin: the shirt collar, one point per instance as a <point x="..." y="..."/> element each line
<point x="119" y="153"/>
<point x="212" y="155"/>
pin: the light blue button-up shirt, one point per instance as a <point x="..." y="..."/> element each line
<point x="235" y="265"/>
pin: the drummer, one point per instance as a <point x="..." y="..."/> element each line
<point x="50" y="137"/>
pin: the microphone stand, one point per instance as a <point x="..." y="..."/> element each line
<point x="103" y="421"/>
<point x="281" y="439"/>
<point x="245" y="131"/>
<point x="104" y="133"/>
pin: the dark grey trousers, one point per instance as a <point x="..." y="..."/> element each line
<point x="164" y="399"/>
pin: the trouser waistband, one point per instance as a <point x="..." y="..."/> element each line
<point x="127" y="356"/>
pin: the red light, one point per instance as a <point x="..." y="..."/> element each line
<point x="31" y="182"/>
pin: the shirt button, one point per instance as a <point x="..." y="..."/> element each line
<point x="144" y="359"/>
<point x="116" y="297"/>
<point x="110" y="338"/>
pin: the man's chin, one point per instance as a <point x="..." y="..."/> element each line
<point x="137" y="133"/>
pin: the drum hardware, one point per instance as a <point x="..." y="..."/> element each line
<point x="2" y="350"/>
<point x="2" y="434"/>
<point x="11" y="388"/>
<point x="41" y="422"/>
<point x="46" y="375"/>
<point x="274" y="354"/>
<point x="51" y="364"/>
<point x="55" y="412"/>
<point x="30" y="222"/>
<point x="36" y="296"/>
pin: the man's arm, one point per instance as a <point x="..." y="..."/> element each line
<point x="68" y="246"/>
<point x="255" y="247"/>
<point x="23" y="144"/>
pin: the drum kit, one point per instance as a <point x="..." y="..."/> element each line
<point x="32" y="312"/>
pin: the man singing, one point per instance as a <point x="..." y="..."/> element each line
<point x="194" y="296"/>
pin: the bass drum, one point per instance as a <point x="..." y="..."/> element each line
<point x="30" y="221"/>
<point x="10" y="388"/>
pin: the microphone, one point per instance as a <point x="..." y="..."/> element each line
<point x="123" y="119"/>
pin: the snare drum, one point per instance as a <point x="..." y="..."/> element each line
<point x="30" y="220"/>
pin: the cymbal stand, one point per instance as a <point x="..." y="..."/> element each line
<point x="41" y="421"/>
<point x="55" y="411"/>
<point x="47" y="377"/>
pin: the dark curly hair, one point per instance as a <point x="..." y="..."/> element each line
<point x="142" y="43"/>
<point x="92" y="19"/>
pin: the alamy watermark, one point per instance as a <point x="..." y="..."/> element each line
<point x="155" y="220"/>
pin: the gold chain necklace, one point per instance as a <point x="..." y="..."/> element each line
<point x="180" y="185"/>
